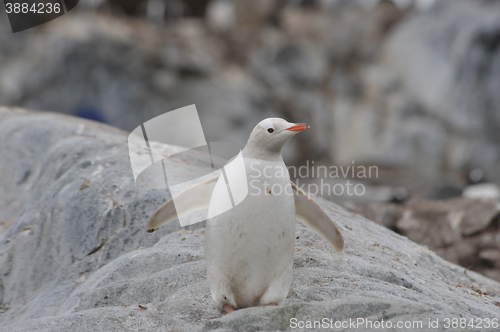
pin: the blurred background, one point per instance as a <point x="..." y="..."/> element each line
<point x="409" y="86"/>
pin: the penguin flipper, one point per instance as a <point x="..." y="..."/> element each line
<point x="311" y="215"/>
<point x="190" y="200"/>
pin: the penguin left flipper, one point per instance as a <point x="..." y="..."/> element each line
<point x="311" y="214"/>
<point x="190" y="200"/>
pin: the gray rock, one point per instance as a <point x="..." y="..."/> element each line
<point x="413" y="92"/>
<point x="455" y="67"/>
<point x="426" y="103"/>
<point x="288" y="63"/>
<point x="74" y="254"/>
<point x="386" y="215"/>
<point x="464" y="231"/>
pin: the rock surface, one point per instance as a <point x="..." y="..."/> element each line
<point x="74" y="253"/>
<point x="464" y="231"/>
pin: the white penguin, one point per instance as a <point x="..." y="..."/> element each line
<point x="249" y="248"/>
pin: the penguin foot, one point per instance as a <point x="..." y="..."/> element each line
<point x="271" y="304"/>
<point x="227" y="309"/>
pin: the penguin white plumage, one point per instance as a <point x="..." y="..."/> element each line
<point x="249" y="247"/>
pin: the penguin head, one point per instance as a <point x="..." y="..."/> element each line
<point x="270" y="135"/>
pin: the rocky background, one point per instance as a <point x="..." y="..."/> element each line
<point x="464" y="231"/>
<point x="411" y="87"/>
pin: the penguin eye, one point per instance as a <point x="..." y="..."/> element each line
<point x="270" y="130"/>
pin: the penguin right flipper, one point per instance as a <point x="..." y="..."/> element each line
<point x="311" y="214"/>
<point x="190" y="200"/>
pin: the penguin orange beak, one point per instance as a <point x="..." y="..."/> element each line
<point x="298" y="127"/>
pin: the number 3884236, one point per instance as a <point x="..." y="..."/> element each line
<point x="35" y="8"/>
